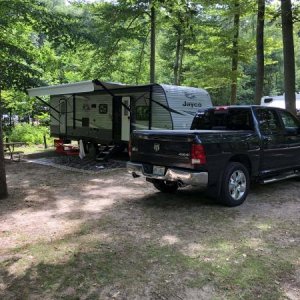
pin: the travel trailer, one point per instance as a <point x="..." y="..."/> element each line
<point x="106" y="113"/>
<point x="279" y="101"/>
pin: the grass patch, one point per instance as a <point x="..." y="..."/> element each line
<point x="246" y="277"/>
<point x="64" y="265"/>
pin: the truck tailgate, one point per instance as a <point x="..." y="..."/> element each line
<point x="163" y="147"/>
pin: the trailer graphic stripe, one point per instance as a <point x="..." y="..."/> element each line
<point x="168" y="108"/>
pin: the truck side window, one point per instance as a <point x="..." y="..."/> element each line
<point x="268" y="121"/>
<point x="239" y="119"/>
<point x="223" y="119"/>
<point x="288" y="120"/>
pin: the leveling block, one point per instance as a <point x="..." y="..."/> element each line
<point x="66" y="149"/>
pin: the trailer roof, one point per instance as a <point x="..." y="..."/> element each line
<point x="74" y="88"/>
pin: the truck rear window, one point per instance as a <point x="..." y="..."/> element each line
<point x="225" y="119"/>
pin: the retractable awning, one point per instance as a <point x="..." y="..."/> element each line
<point x="74" y="88"/>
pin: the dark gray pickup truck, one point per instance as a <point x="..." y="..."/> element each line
<point x="225" y="149"/>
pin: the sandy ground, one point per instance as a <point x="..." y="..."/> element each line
<point x="69" y="235"/>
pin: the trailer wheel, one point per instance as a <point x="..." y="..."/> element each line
<point x="235" y="184"/>
<point x="165" y="186"/>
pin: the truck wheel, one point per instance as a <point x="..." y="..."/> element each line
<point x="166" y="186"/>
<point x="235" y="184"/>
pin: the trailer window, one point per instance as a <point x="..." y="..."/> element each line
<point x="103" y="109"/>
<point x="142" y="113"/>
<point x="227" y="119"/>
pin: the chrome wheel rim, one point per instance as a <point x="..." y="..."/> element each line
<point x="237" y="185"/>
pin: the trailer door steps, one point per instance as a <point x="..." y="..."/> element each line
<point x="107" y="151"/>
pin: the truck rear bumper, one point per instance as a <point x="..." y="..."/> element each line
<point x="172" y="174"/>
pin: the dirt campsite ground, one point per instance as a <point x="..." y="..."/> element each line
<point x="104" y="235"/>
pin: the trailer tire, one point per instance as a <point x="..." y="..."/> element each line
<point x="235" y="184"/>
<point x="165" y="186"/>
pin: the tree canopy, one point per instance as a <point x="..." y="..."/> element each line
<point x="57" y="41"/>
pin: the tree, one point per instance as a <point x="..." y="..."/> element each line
<point x="260" y="51"/>
<point x="3" y="185"/>
<point x="119" y="50"/>
<point x="180" y="17"/>
<point x="235" y="51"/>
<point x="152" y="41"/>
<point x="15" y="67"/>
<point x="288" y="55"/>
<point x="18" y="64"/>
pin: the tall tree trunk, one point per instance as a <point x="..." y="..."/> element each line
<point x="235" y="52"/>
<point x="181" y="61"/>
<point x="152" y="43"/>
<point x="288" y="55"/>
<point x="260" y="58"/>
<point x="3" y="184"/>
<point x="177" y="58"/>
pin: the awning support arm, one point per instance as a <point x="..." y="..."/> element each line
<point x="47" y="104"/>
<point x="54" y="117"/>
<point x="98" y="82"/>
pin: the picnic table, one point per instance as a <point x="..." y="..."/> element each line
<point x="9" y="147"/>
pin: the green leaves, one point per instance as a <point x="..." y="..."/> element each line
<point x="25" y="26"/>
<point x="48" y="42"/>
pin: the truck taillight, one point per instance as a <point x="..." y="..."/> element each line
<point x="129" y="148"/>
<point x="198" y="156"/>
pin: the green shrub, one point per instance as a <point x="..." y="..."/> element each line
<point x="28" y="133"/>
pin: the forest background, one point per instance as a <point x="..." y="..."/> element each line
<point x="232" y="48"/>
<point x="57" y="41"/>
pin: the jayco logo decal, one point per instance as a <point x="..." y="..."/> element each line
<point x="191" y="104"/>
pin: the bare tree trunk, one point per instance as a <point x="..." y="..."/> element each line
<point x="177" y="57"/>
<point x="235" y="52"/>
<point x="181" y="61"/>
<point x="152" y="44"/>
<point x="260" y="58"/>
<point x="3" y="184"/>
<point x="288" y="55"/>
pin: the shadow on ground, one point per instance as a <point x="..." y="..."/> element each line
<point x="127" y="241"/>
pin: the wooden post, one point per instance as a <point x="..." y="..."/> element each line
<point x="45" y="142"/>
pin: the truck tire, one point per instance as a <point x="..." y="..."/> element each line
<point x="166" y="186"/>
<point x="235" y="184"/>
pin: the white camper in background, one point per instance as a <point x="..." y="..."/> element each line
<point x="279" y="101"/>
<point x="106" y="113"/>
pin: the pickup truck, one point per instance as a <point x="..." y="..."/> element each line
<point x="225" y="149"/>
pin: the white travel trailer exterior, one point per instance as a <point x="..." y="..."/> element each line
<point x="106" y="113"/>
<point x="279" y="101"/>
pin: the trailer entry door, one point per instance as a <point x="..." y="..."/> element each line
<point x="117" y="118"/>
<point x="125" y="133"/>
